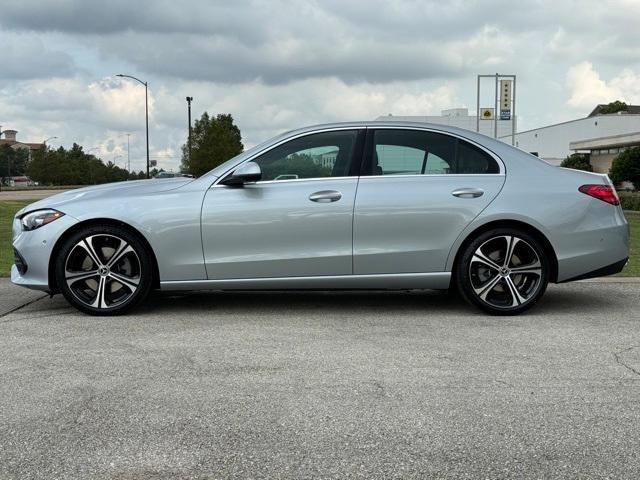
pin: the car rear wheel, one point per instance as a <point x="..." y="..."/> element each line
<point x="503" y="271"/>
<point x="104" y="270"/>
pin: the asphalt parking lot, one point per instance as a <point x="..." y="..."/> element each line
<point x="324" y="385"/>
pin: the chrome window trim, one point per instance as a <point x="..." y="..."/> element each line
<point x="291" y="180"/>
<point x="501" y="165"/>
<point x="429" y="175"/>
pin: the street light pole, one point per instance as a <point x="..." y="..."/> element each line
<point x="146" y="110"/>
<point x="189" y="100"/>
<point x="44" y="154"/>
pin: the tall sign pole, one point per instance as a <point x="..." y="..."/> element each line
<point x="495" y="111"/>
<point x="478" y="107"/>
<point x="504" y="104"/>
<point x="513" y="115"/>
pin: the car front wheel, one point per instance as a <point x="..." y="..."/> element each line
<point x="503" y="271"/>
<point x="103" y="270"/>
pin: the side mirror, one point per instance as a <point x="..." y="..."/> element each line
<point x="247" y="173"/>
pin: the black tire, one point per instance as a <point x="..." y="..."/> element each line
<point x="75" y="265"/>
<point x="482" y="284"/>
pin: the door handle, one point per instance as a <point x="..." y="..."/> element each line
<point x="468" y="192"/>
<point x="325" y="196"/>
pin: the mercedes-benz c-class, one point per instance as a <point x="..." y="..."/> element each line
<point x="367" y="205"/>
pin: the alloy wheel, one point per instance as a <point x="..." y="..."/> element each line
<point x="505" y="272"/>
<point x="102" y="271"/>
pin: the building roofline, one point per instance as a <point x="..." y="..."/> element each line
<point x="575" y="120"/>
<point x="633" y="137"/>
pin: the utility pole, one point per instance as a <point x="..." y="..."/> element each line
<point x="189" y="100"/>
<point x="128" y="156"/>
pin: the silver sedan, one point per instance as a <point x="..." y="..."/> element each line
<point x="343" y="206"/>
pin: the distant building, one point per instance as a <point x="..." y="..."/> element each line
<point x="19" y="181"/>
<point x="11" y="140"/>
<point x="603" y="150"/>
<point x="457" y="117"/>
<point x="554" y="142"/>
<point x="328" y="159"/>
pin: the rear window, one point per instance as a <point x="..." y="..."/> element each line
<point x="420" y="152"/>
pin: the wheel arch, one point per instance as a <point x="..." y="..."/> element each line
<point x="53" y="286"/>
<point x="511" y="223"/>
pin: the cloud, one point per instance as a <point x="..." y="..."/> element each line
<point x="279" y="41"/>
<point x="25" y="56"/>
<point x="109" y="103"/>
<point x="281" y="64"/>
<point x="587" y="88"/>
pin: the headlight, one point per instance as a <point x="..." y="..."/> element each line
<point x="36" y="219"/>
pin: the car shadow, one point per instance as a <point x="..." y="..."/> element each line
<point x="559" y="299"/>
<point x="338" y="302"/>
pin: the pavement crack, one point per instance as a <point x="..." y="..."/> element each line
<point x="379" y="389"/>
<point x="620" y="361"/>
<point x="502" y="382"/>
<point x="13" y="310"/>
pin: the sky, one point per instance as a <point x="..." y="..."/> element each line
<point x="277" y="65"/>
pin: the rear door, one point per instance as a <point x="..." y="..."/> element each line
<point x="418" y="191"/>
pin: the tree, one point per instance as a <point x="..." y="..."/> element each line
<point x="214" y="140"/>
<point x="298" y="164"/>
<point x="614" y="107"/>
<point x="13" y="161"/>
<point x="72" y="167"/>
<point x="577" y="161"/>
<point x="626" y="167"/>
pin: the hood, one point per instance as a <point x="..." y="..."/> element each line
<point x="107" y="190"/>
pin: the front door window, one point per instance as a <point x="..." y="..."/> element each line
<point x="319" y="155"/>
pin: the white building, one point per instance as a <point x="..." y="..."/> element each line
<point x="554" y="142"/>
<point x="603" y="150"/>
<point x="458" y="117"/>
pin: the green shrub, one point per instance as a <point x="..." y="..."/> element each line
<point x="614" y="107"/>
<point x="630" y="200"/>
<point x="577" y="161"/>
<point x="626" y="167"/>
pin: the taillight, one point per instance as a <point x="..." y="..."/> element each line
<point x="606" y="193"/>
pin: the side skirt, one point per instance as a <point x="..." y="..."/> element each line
<point x="398" y="281"/>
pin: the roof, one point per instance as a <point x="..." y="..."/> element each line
<point x="575" y="120"/>
<point x="485" y="140"/>
<point x="613" y="141"/>
<point x="631" y="109"/>
<point x="32" y="146"/>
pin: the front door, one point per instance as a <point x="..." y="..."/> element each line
<point x="418" y="192"/>
<point x="297" y="221"/>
